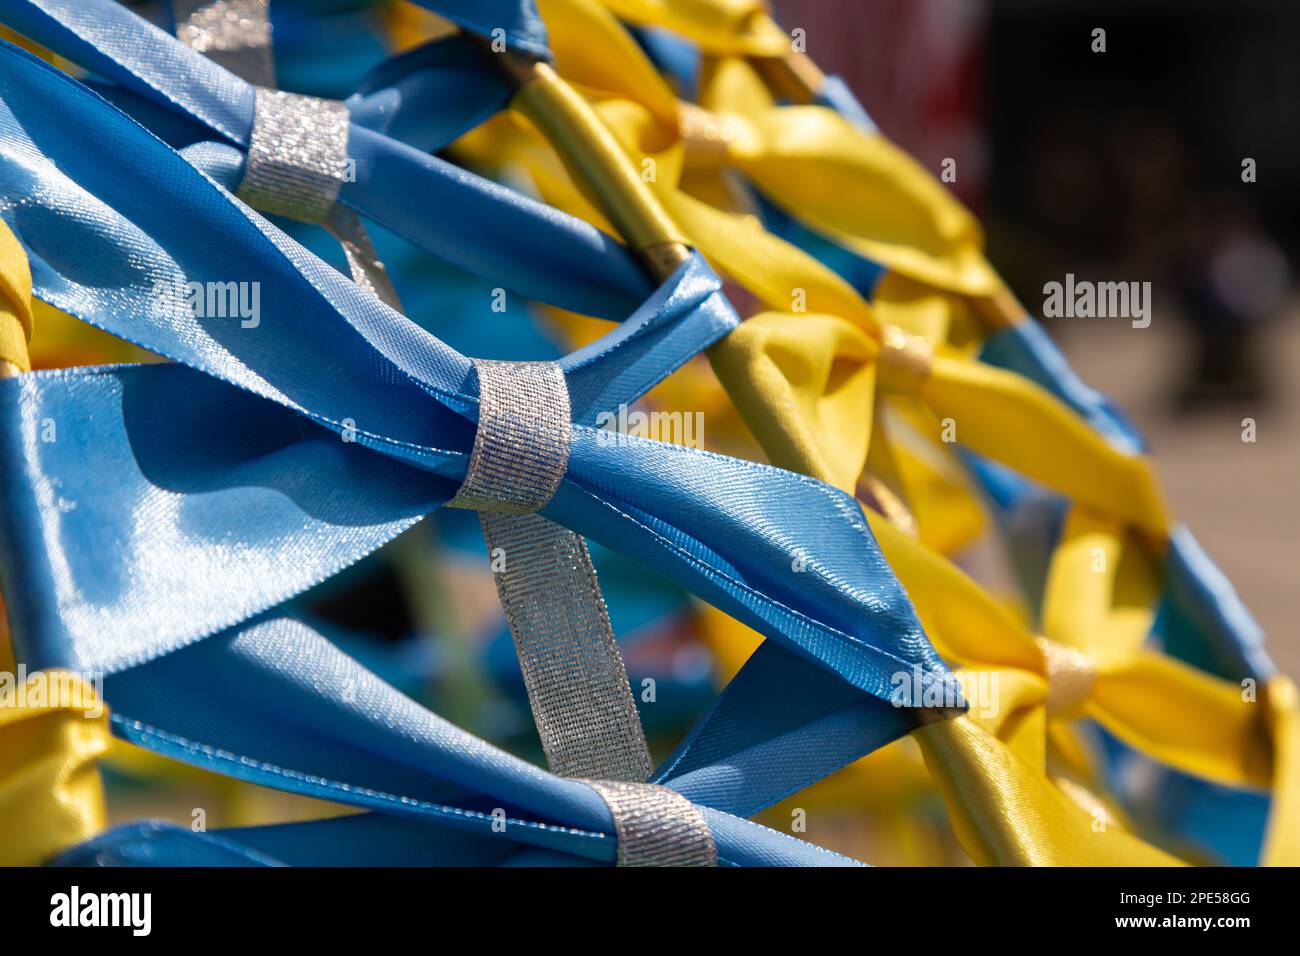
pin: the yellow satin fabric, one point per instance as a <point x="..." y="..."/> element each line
<point x="808" y="395"/>
<point x="51" y="797"/>
<point x="61" y="341"/>
<point x="1100" y="597"/>
<point x="15" y="302"/>
<point x="1006" y="813"/>
<point x="796" y="382"/>
<point x="716" y="26"/>
<point x="853" y="186"/>
<point x="594" y="52"/>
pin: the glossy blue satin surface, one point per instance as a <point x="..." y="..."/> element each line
<point x="523" y="28"/>
<point x="275" y="703"/>
<point x="222" y="486"/>
<point x="481" y="226"/>
<point x="749" y="753"/>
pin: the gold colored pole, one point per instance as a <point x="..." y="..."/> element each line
<point x="595" y="160"/>
<point x="794" y="76"/>
<point x="999" y="311"/>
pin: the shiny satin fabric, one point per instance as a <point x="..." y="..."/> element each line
<point x="953" y="381"/>
<point x="850" y="184"/>
<point x="1201" y="619"/>
<point x="109" y="91"/>
<point x="15" y="305"/>
<point x="273" y="702"/>
<point x="52" y="731"/>
<point x="479" y="225"/>
<point x="311" y="293"/>
<point x="52" y="726"/>
<point x="1225" y="639"/>
<point x="514" y="21"/>
<point x="326" y="713"/>
<point x="1133" y="495"/>
<point x="774" y="270"/>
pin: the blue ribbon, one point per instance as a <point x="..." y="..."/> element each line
<point x="481" y="226"/>
<point x="517" y="20"/>
<point x="167" y="465"/>
<point x="1214" y="629"/>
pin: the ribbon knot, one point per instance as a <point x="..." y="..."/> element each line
<point x="707" y="136"/>
<point x="297" y="155"/>
<point x="1070" y="676"/>
<point x="905" y="360"/>
<point x="656" y="825"/>
<point x="521" y="448"/>
<point x="297" y="163"/>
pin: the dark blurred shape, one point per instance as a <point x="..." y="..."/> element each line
<point x="1231" y="279"/>
<point x="1125" y="164"/>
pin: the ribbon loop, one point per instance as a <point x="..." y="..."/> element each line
<point x="521" y="448"/>
<point x="656" y="826"/>
<point x="577" y="683"/>
<point x="1070" y="676"/>
<point x="297" y="155"/>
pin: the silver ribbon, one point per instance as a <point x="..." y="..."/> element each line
<point x="297" y="155"/>
<point x="577" y="685"/>
<point x="298" y="151"/>
<point x="233" y="33"/>
<point x="297" y="163"/>
<point x="656" y="826"/>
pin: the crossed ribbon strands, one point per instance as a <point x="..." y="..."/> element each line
<point x="886" y="346"/>
<point x="422" y="395"/>
<point x="777" y="367"/>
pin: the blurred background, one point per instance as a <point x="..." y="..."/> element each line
<point x="1127" y="165"/>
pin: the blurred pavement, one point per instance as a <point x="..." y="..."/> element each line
<point x="1239" y="499"/>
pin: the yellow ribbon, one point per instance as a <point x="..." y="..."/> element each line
<point x="52" y="728"/>
<point x="15" y="304"/>
<point x="805" y="374"/>
<point x="52" y="731"/>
